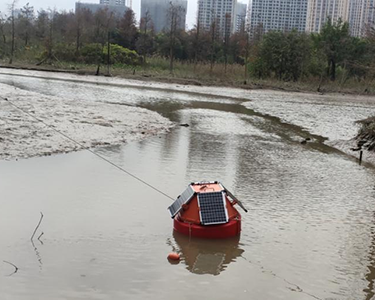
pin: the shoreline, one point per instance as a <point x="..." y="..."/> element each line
<point x="107" y="131"/>
<point x="145" y="76"/>
<point x="345" y="146"/>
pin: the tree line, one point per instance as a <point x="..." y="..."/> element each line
<point x="104" y="38"/>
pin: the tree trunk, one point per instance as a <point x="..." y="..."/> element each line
<point x="108" y="54"/>
<point x="78" y="40"/>
<point x="246" y="55"/>
<point x="196" y="47"/>
<point x="172" y="35"/>
<point x="212" y="47"/>
<point x="13" y="37"/>
<point x="144" y="42"/>
<point x="27" y="39"/>
<point x="171" y="60"/>
<point x="333" y="70"/>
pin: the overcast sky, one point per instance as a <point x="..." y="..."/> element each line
<point x="69" y="5"/>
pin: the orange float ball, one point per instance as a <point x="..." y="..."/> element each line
<point x="174" y="256"/>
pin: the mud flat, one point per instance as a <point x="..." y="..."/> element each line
<point x="90" y="123"/>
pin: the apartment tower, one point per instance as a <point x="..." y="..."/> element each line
<point x="158" y="11"/>
<point x="218" y="15"/>
<point x="319" y="11"/>
<point x="113" y="2"/>
<point x="280" y="15"/>
<point x="240" y="17"/>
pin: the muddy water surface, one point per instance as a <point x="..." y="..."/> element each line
<point x="309" y="232"/>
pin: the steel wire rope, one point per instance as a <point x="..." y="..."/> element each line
<point x="84" y="148"/>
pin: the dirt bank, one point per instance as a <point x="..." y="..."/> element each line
<point x="91" y="124"/>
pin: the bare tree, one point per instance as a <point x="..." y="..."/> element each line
<point x="144" y="41"/>
<point x="213" y="41"/>
<point x="227" y="28"/>
<point x="104" y="22"/>
<point x="174" y="13"/>
<point x="246" y="34"/>
<point x="80" y="28"/>
<point x="49" y="39"/>
<point x="78" y="23"/>
<point x="196" y="43"/>
<point x="2" y="32"/>
<point x="26" y="18"/>
<point x="12" y="8"/>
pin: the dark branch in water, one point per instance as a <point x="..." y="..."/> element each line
<point x="37" y="254"/>
<point x="40" y="221"/>
<point x="15" y="267"/>
<point x="40" y="237"/>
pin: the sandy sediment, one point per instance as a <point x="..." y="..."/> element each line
<point x="90" y="123"/>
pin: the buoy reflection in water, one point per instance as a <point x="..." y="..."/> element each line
<point x="203" y="256"/>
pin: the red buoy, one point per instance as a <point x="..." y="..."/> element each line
<point x="174" y="256"/>
<point x="206" y="210"/>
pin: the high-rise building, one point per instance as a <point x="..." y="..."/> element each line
<point x="239" y="16"/>
<point x="159" y="13"/>
<point x="113" y="2"/>
<point x="118" y="10"/>
<point x="319" y="11"/>
<point x="281" y="15"/>
<point x="360" y="14"/>
<point x="217" y="13"/>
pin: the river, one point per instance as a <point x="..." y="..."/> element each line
<point x="309" y="232"/>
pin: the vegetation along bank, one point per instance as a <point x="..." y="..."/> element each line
<point x="103" y="43"/>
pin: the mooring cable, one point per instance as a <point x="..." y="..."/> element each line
<point x="88" y="149"/>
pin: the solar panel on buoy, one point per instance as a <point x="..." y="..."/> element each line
<point x="182" y="199"/>
<point x="212" y="208"/>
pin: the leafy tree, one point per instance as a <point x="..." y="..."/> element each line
<point x="284" y="54"/>
<point x="127" y="30"/>
<point x="334" y="41"/>
<point x="42" y="24"/>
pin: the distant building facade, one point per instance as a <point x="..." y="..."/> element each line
<point x="319" y="11"/>
<point x="113" y="2"/>
<point x="360" y="14"/>
<point x="240" y="16"/>
<point x="158" y="11"/>
<point x="280" y="15"/>
<point x="361" y="17"/>
<point x="218" y="13"/>
<point x="118" y="10"/>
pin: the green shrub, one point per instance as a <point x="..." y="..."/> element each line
<point x="65" y="52"/>
<point x="121" y="55"/>
<point x="92" y="53"/>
